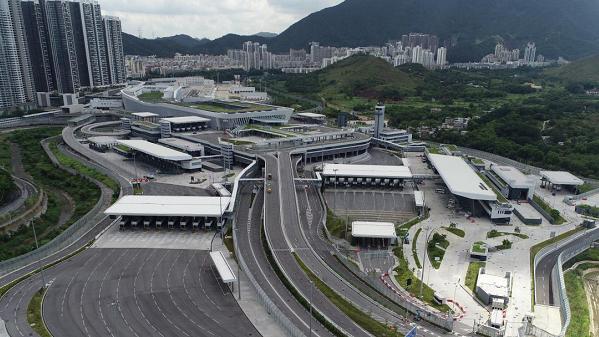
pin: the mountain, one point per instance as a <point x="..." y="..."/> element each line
<point x="584" y="70"/>
<point x="469" y="28"/>
<point x="184" y="44"/>
<point x="162" y="46"/>
<point x="358" y="76"/>
<point x="266" y="34"/>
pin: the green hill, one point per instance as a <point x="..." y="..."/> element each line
<point x="357" y="78"/>
<point x="584" y="70"/>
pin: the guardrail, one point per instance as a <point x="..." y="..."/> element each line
<point x="69" y="236"/>
<point x="584" y="241"/>
<point x="266" y="302"/>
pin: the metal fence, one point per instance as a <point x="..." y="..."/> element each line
<point x="268" y="304"/>
<point x="69" y="236"/>
<point x="584" y="241"/>
<point x="401" y="298"/>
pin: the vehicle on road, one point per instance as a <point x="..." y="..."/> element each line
<point x="269" y="188"/>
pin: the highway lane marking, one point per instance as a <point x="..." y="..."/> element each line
<point x="272" y="286"/>
<point x="118" y="287"/>
<point x="15" y="293"/>
<point x="135" y="294"/>
<point x="83" y="292"/>
<point x="66" y="290"/>
<point x="100" y="292"/>
<point x="170" y="294"/>
<point x="202" y="284"/>
<point x="156" y="302"/>
<point x="187" y="292"/>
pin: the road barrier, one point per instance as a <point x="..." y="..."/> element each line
<point x="268" y="304"/>
<point x="584" y="241"/>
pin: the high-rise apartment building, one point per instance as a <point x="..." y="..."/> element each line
<point x="530" y="52"/>
<point x="14" y="89"/>
<point x="94" y="43"/>
<point x="114" y="49"/>
<point x="40" y="54"/>
<point x="441" y="56"/>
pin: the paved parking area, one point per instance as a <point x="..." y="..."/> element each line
<point x="163" y="239"/>
<point x="143" y="292"/>
<point x="370" y="204"/>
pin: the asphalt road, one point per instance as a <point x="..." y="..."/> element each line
<point x="544" y="285"/>
<point x="25" y="190"/>
<point x="248" y="219"/>
<point x="143" y="292"/>
<point x="282" y="226"/>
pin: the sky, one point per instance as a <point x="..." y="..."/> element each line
<point x="209" y="18"/>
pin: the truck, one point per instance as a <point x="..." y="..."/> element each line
<point x="269" y="176"/>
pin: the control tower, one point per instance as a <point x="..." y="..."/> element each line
<point x="379" y="120"/>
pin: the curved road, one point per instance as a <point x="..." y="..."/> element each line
<point x="142" y="292"/>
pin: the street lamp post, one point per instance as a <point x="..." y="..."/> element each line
<point x="37" y="247"/>
<point x="311" y="294"/>
<point x="424" y="257"/>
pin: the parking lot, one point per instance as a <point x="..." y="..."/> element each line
<point x="370" y="204"/>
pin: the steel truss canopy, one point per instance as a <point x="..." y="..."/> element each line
<point x="222" y="266"/>
<point x="155" y="150"/>
<point x="367" y="171"/>
<point x="561" y="178"/>
<point x="149" y="205"/>
<point x="460" y="178"/>
<point x="378" y="230"/>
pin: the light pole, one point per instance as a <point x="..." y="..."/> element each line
<point x="311" y="294"/>
<point x="424" y="257"/>
<point x="454" y="292"/>
<point x="335" y="195"/>
<point x="37" y="247"/>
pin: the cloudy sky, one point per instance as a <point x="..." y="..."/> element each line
<point x="209" y="18"/>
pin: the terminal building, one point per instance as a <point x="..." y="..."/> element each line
<point x="365" y="175"/>
<point x="182" y="212"/>
<point x="469" y="189"/>
<point x="558" y="180"/>
<point x="171" y="125"/>
<point x="162" y="157"/>
<point x="373" y="234"/>
<point x="512" y="183"/>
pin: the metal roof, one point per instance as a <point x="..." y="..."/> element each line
<point x="367" y="171"/>
<point x="460" y="178"/>
<point x="419" y="198"/>
<point x="561" y="178"/>
<point x="144" y="114"/>
<point x="310" y="115"/>
<point x="367" y="229"/>
<point x="186" y="119"/>
<point x="181" y="144"/>
<point x="223" y="267"/>
<point x="513" y="177"/>
<point x="155" y="150"/>
<point x="103" y="140"/>
<point x="150" y="205"/>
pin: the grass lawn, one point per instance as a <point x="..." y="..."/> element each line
<point x="404" y="273"/>
<point x="366" y="322"/>
<point x="434" y="150"/>
<point x="151" y="97"/>
<point x="579" y="308"/>
<point x="500" y="196"/>
<point x="414" y="252"/>
<point x="494" y="234"/>
<point x="436" y="249"/>
<point x="34" y="314"/>
<point x="472" y="274"/>
<point x="335" y="225"/>
<point x="534" y="250"/>
<point x="84" y="170"/>
<point x="551" y="211"/>
<point x="405" y="227"/>
<point x="479" y="247"/>
<point x="477" y="161"/>
<point x="455" y="231"/>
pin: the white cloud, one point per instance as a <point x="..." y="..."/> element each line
<point x="209" y="18"/>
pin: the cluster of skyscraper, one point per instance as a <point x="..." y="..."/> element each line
<point x="56" y="46"/>
<point x="505" y="55"/>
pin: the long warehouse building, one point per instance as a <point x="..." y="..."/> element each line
<point x="469" y="188"/>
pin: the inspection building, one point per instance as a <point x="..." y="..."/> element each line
<point x="556" y="180"/>
<point x="512" y="183"/>
<point x="365" y="175"/>
<point x="161" y="156"/>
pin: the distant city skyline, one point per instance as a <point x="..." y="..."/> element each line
<point x="207" y="18"/>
